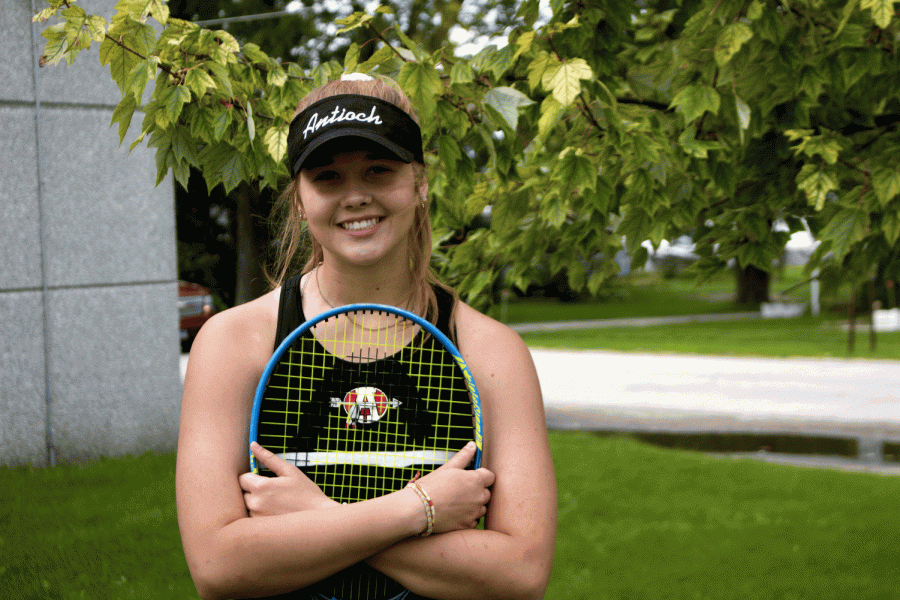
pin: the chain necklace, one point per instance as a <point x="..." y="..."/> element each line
<point x="321" y="290"/>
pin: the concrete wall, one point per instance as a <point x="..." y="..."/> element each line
<point x="89" y="345"/>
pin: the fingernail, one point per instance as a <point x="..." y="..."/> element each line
<point x="470" y="445"/>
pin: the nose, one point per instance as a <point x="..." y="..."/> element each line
<point x="356" y="195"/>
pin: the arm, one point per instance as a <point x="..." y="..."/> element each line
<point x="512" y="557"/>
<point x="230" y="554"/>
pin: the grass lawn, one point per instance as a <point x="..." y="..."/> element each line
<point x="803" y="336"/>
<point x="648" y="295"/>
<point x="635" y="521"/>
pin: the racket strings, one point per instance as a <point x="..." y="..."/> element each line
<point x="360" y="405"/>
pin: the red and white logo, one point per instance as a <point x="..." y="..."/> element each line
<point x="364" y="405"/>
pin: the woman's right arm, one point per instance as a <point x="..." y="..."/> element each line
<point x="229" y="554"/>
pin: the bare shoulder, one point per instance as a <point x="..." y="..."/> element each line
<point x="500" y="362"/>
<point x="240" y="339"/>
<point x="483" y="339"/>
<point x="252" y="324"/>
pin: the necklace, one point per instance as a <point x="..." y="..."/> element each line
<point x="321" y="290"/>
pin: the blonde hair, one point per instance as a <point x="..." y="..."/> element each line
<point x="295" y="242"/>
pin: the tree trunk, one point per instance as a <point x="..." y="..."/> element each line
<point x="752" y="285"/>
<point x="250" y="280"/>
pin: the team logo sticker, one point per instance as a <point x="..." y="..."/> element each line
<point x="364" y="405"/>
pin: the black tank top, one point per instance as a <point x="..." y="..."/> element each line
<point x="291" y="316"/>
<point x="290" y="310"/>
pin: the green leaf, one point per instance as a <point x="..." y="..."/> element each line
<point x="565" y="83"/>
<point x="251" y="124"/>
<point x="449" y="154"/>
<point x="848" y="11"/>
<point x="139" y="76"/>
<point x="159" y="10"/>
<point x="575" y="170"/>
<point x="198" y="81"/>
<point x="275" y="141"/>
<point x="127" y="38"/>
<point x="886" y="182"/>
<point x="825" y="146"/>
<point x="890" y="226"/>
<point x="351" y="58"/>
<point x="357" y="19"/>
<point x="635" y="226"/>
<point x="882" y="11"/>
<point x="96" y="26"/>
<point x="529" y="11"/>
<point x="221" y="123"/>
<point x="507" y="101"/>
<point x="226" y="41"/>
<point x="730" y="41"/>
<point x="524" y="43"/>
<point x="846" y="228"/>
<point x="816" y="183"/>
<point x="172" y="101"/>
<point x="220" y="73"/>
<point x="409" y="43"/>
<point x="202" y="124"/>
<point x="698" y="148"/>
<point x="461" y="72"/>
<point x="695" y="100"/>
<point x="755" y="10"/>
<point x="743" y="116"/>
<point x="54" y="50"/>
<point x="222" y="163"/>
<point x="543" y="66"/>
<point x="122" y="115"/>
<point x="255" y="55"/>
<point x="422" y="84"/>
<point x="551" y="112"/>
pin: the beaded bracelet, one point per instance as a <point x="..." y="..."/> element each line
<point x="429" y="506"/>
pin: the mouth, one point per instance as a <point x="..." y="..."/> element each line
<point x="361" y="224"/>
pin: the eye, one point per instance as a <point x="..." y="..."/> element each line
<point x="326" y="176"/>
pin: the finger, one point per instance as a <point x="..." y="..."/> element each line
<point x="272" y="462"/>
<point x="250" y="482"/>
<point x="487" y="477"/>
<point x="462" y="458"/>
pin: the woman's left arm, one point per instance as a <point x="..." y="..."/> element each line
<point x="513" y="555"/>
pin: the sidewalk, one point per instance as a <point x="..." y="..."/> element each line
<point x="601" y="390"/>
<point x="852" y="399"/>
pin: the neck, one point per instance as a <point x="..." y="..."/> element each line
<point x="337" y="285"/>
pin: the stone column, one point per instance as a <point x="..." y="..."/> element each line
<point x="89" y="344"/>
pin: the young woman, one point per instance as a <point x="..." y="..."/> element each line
<point x="359" y="192"/>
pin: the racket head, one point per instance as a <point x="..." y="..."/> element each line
<point x="325" y="330"/>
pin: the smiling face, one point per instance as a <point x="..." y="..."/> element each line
<point x="360" y="206"/>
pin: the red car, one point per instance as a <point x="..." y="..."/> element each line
<point x="195" y="306"/>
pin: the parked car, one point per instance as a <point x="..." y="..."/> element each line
<point x="195" y="307"/>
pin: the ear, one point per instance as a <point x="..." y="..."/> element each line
<point x="423" y="190"/>
<point x="298" y="203"/>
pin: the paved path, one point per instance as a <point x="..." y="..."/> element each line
<point x="687" y="393"/>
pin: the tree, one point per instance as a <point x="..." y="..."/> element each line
<point x="224" y="237"/>
<point x="613" y="120"/>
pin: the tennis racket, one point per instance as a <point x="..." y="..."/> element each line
<point x="362" y="398"/>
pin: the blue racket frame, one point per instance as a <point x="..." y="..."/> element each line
<point x="425" y="325"/>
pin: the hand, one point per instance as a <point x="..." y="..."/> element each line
<point x="290" y="491"/>
<point x="460" y="497"/>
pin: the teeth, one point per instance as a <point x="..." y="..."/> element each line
<point x="357" y="225"/>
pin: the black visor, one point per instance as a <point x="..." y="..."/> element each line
<point x="353" y="115"/>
